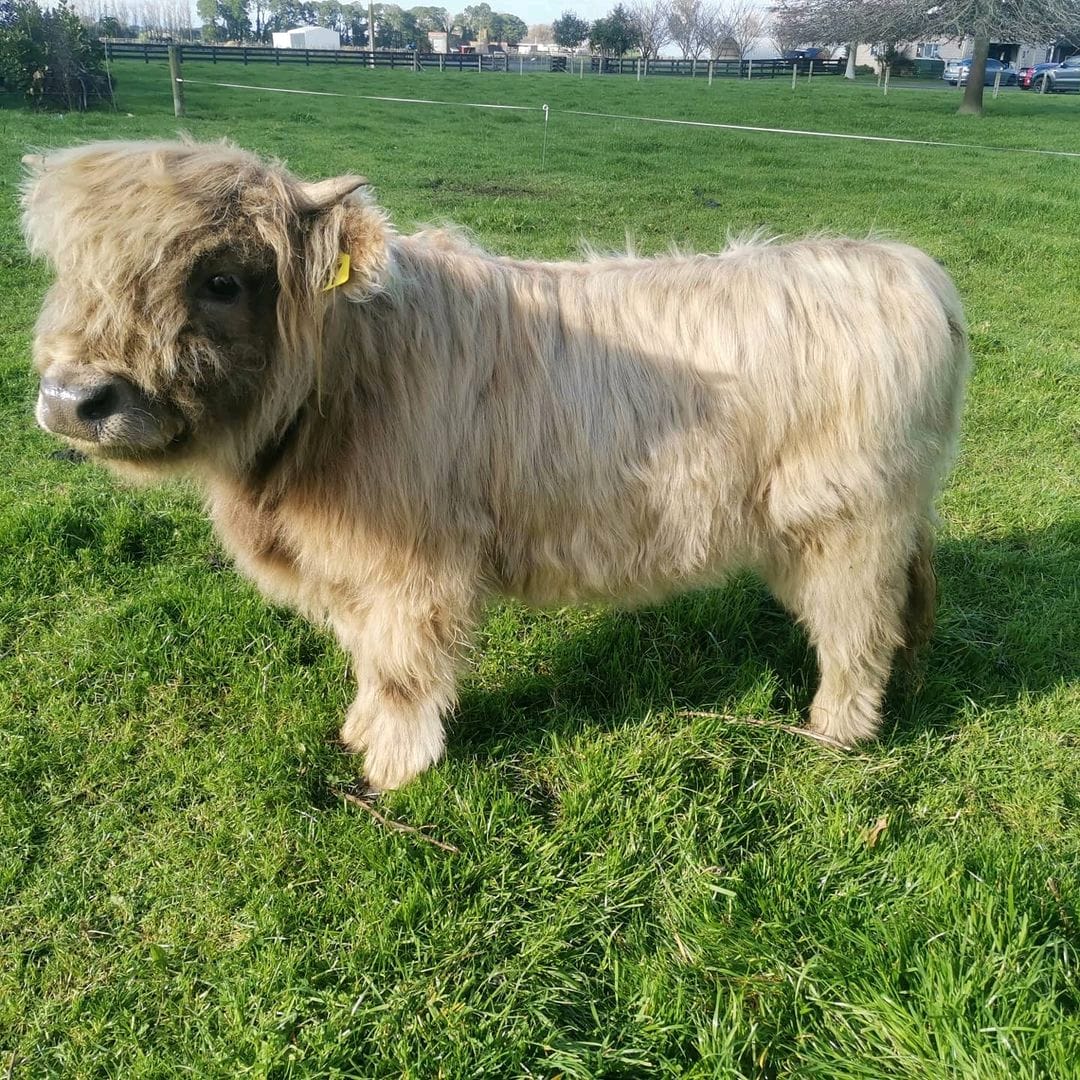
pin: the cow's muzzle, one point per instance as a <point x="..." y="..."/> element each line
<point x="105" y="413"/>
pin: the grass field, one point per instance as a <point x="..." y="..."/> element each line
<point x="638" y="892"/>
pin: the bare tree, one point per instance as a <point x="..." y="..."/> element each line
<point x="745" y="24"/>
<point x="651" y="22"/>
<point x="716" y="31"/>
<point x="685" y="26"/>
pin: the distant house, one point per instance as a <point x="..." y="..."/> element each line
<point x="307" y="37"/>
<point x="1019" y="54"/>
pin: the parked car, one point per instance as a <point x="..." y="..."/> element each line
<point x="956" y="72"/>
<point x="814" y="53"/>
<point x="1026" y="76"/>
<point x="1063" y="76"/>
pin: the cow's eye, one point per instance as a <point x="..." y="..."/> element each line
<point x="223" y="288"/>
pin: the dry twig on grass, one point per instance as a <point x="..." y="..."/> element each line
<point x="1063" y="911"/>
<point x="791" y="729"/>
<point x="397" y="826"/>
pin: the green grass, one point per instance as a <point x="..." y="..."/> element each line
<point x="638" y="892"/>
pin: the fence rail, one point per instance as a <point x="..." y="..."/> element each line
<point x="266" y="54"/>
<point x="424" y="61"/>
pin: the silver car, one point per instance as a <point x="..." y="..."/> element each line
<point x="956" y="72"/>
<point x="1066" y="76"/>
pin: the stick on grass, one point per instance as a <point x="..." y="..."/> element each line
<point x="397" y="826"/>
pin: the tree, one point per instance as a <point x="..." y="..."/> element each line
<point x="686" y="25"/>
<point x="476" y="17"/>
<point x="395" y="28"/>
<point x="286" y="14"/>
<point x="744" y="22"/>
<point x="886" y="23"/>
<point x="615" y="34"/>
<point x="541" y="34"/>
<point x="433" y="18"/>
<point x="508" y="28"/>
<point x="998" y="20"/>
<point x="47" y="52"/>
<point x="651" y="26"/>
<point x="228" y="19"/>
<point x="569" y="31"/>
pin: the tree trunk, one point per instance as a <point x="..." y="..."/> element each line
<point x="973" y="92"/>
<point x="852" y="49"/>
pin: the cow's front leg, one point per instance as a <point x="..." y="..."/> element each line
<point x="405" y="654"/>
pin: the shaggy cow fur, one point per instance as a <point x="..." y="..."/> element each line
<point x="449" y="425"/>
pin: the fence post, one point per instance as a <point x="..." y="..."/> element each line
<point x="245" y="56"/>
<point x="750" y="68"/>
<point x="177" y="84"/>
<point x="277" y="58"/>
<point x="997" y="82"/>
<point x="442" y="62"/>
<point x="810" y="75"/>
<point x="794" y="74"/>
<point x="888" y="68"/>
<point x="710" y="72"/>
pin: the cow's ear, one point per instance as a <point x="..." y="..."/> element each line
<point x="345" y="222"/>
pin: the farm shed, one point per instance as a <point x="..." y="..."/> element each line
<point x="308" y="37"/>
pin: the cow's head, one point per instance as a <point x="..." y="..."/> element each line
<point x="185" y="322"/>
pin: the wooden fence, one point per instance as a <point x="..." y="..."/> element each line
<point x="422" y="61"/>
<point x="732" y="69"/>
<point x="265" y="54"/>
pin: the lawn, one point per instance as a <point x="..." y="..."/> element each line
<point x="637" y="891"/>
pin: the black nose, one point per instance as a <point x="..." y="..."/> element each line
<point x="76" y="408"/>
<point x="96" y="403"/>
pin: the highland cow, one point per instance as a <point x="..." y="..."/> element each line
<point x="387" y="441"/>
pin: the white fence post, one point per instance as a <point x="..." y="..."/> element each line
<point x="794" y="73"/>
<point x="997" y="82"/>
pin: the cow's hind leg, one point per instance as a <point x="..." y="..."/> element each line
<point x="849" y="583"/>
<point x="405" y="656"/>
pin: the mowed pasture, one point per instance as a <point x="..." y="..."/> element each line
<point x="647" y="883"/>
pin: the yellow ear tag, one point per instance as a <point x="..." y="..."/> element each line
<point x="341" y="274"/>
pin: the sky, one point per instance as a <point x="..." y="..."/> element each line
<point x="543" y="11"/>
<point x="546" y="11"/>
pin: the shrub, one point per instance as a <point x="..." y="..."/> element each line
<point x="48" y="55"/>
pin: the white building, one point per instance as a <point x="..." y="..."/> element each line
<point x="308" y="37"/>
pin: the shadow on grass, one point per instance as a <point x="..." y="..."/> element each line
<point x="1008" y="612"/>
